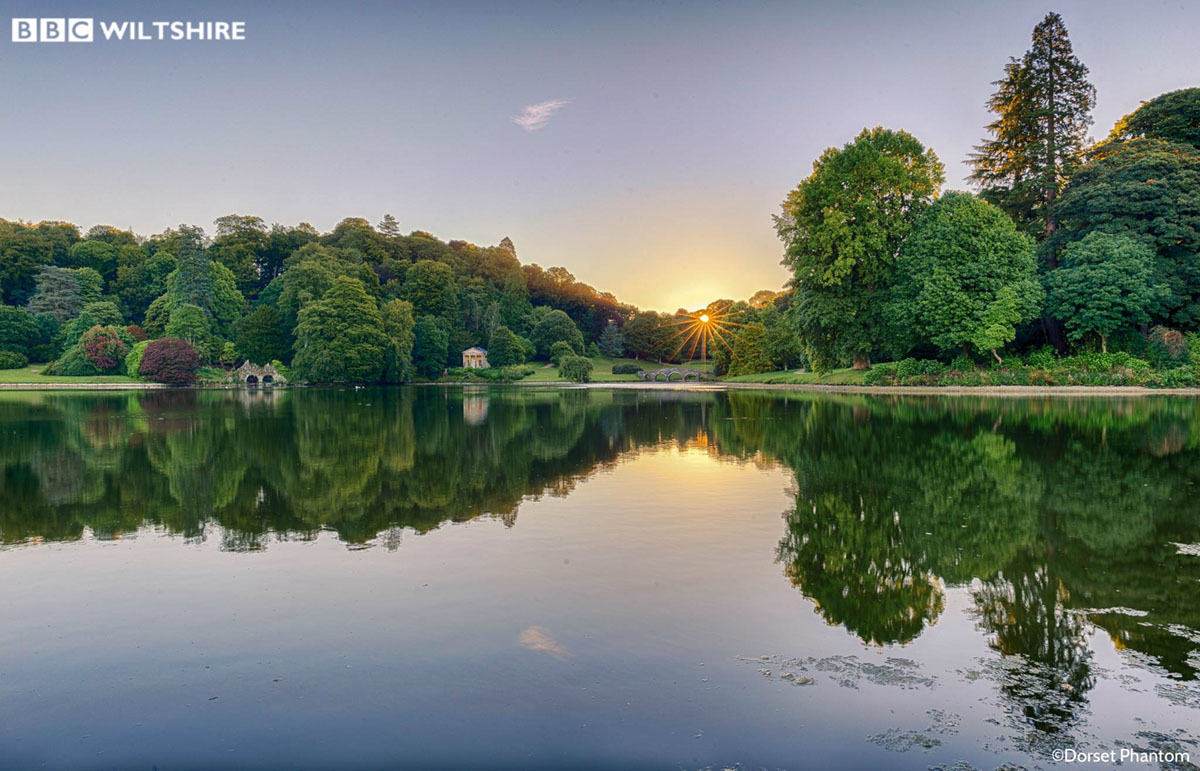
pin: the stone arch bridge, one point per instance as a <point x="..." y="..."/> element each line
<point x="252" y="374"/>
<point x="668" y="374"/>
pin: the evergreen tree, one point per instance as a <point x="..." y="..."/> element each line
<point x="261" y="337"/>
<point x="190" y="323"/>
<point x="389" y="227"/>
<point x="611" y="342"/>
<point x="1043" y="110"/>
<point x="58" y="293"/>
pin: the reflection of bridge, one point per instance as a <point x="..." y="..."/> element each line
<point x="668" y="374"/>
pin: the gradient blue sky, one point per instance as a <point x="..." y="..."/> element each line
<point x="687" y="123"/>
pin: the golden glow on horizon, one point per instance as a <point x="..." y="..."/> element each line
<point x="701" y="330"/>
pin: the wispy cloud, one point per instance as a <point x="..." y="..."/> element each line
<point x="535" y="116"/>
<point x="537" y="638"/>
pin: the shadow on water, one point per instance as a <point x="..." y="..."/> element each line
<point x="1056" y="516"/>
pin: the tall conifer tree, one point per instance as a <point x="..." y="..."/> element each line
<point x="1043" y="110"/>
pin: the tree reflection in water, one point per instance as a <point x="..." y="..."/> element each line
<point x="1043" y="508"/>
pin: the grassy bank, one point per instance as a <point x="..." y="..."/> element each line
<point x="791" y="377"/>
<point x="33" y="375"/>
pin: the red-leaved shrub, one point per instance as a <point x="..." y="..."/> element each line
<point x="170" y="360"/>
<point x="137" y="333"/>
<point x="103" y="348"/>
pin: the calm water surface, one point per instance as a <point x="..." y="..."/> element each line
<point x="594" y="578"/>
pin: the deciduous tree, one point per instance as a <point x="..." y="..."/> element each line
<point x="340" y="337"/>
<point x="1104" y="283"/>
<point x="842" y="228"/>
<point x="965" y="277"/>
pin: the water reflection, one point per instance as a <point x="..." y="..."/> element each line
<point x="1057" y="515"/>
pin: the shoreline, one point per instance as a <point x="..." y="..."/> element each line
<point x="1006" y="391"/>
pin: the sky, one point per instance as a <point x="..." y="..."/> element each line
<point x="644" y="146"/>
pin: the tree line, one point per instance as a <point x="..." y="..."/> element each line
<point x="362" y="303"/>
<point x="1067" y="242"/>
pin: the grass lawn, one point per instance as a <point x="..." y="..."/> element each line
<point x="33" y="374"/>
<point x="602" y="370"/>
<point x="836" y="377"/>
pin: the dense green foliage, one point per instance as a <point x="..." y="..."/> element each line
<point x="18" y="329"/>
<point x="1150" y="190"/>
<point x="133" y="359"/>
<point x="340" y="338"/>
<point x="842" y="229"/>
<point x="554" y="327"/>
<point x="241" y="294"/>
<point x="575" y="368"/>
<point x="12" y="359"/>
<point x="1171" y="117"/>
<point x="430" y="347"/>
<point x="1104" y="283"/>
<point x="261" y="336"/>
<point x="966" y="277"/>
<point x="559" y="351"/>
<point x="504" y="348"/>
<point x="1117" y="230"/>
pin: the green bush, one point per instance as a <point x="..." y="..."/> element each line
<point x="1043" y="358"/>
<point x="12" y="360"/>
<point x="73" y="363"/>
<point x="1180" y="377"/>
<point x="559" y="351"/>
<point x="133" y="359"/>
<point x="626" y="369"/>
<point x="1193" y="350"/>
<point x="212" y="375"/>
<point x="881" y="374"/>
<point x="906" y="368"/>
<point x="507" y="374"/>
<point x="932" y="367"/>
<point x="962" y="363"/>
<point x="576" y="368"/>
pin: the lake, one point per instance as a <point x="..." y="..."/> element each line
<point x="595" y="578"/>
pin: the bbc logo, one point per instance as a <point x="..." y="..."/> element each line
<point x="52" y="30"/>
